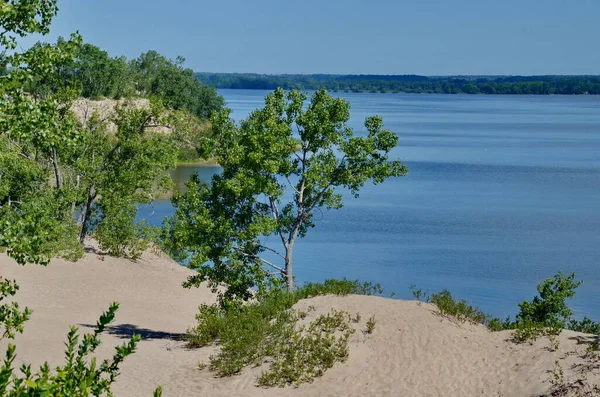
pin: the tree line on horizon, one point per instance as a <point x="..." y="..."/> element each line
<point x="500" y="85"/>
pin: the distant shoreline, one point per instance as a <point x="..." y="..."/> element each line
<point x="410" y="84"/>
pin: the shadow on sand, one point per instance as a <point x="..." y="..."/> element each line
<point x="126" y="331"/>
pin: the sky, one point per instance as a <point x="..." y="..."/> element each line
<point x="426" y="37"/>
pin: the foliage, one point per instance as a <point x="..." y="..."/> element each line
<point x="11" y="317"/>
<point x="549" y="308"/>
<point x="338" y="287"/>
<point x="80" y="376"/>
<point x="527" y="331"/>
<point x="264" y="163"/>
<point x="459" y="309"/>
<point x="94" y="74"/>
<point x="418" y="293"/>
<point x="113" y="172"/>
<point x="548" y="313"/>
<point x="54" y="169"/>
<point x="371" y="325"/>
<point x="545" y="315"/>
<point x="514" y="85"/>
<point x="586" y="325"/>
<point x="177" y="86"/>
<point x="307" y="353"/>
<point x="268" y="329"/>
<point x="34" y="223"/>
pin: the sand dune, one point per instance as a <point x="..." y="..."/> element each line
<point x="412" y="352"/>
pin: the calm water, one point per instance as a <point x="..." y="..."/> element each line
<point x="502" y="192"/>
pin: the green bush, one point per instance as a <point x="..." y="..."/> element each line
<point x="459" y="309"/>
<point x="117" y="232"/>
<point x="527" y="330"/>
<point x="587" y="326"/>
<point x="549" y="308"/>
<point x="267" y="328"/>
<point x="306" y="354"/>
<point x="546" y="314"/>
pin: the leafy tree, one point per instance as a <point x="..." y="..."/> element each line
<point x="273" y="181"/>
<point x="123" y="168"/>
<point x="31" y="218"/>
<point x="33" y="131"/>
<point x="177" y="86"/>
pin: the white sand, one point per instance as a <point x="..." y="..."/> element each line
<point x="412" y="352"/>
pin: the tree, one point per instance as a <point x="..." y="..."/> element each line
<point x="177" y="86"/>
<point x="124" y="168"/>
<point x="31" y="216"/>
<point x="273" y="181"/>
<point x="33" y="131"/>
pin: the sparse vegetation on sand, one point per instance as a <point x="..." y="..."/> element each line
<point x="296" y="347"/>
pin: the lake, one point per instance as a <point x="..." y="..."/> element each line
<point x="502" y="192"/>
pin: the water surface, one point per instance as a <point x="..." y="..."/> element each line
<point x="502" y="192"/>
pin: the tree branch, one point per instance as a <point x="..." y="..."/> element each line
<point x="275" y="212"/>
<point x="273" y="251"/>
<point x="266" y="262"/>
<point x="291" y="185"/>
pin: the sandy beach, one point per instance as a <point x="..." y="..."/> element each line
<point x="412" y="352"/>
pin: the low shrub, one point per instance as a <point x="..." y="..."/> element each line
<point x="304" y="354"/>
<point x="459" y="309"/>
<point x="587" y="326"/>
<point x="527" y="330"/>
<point x="545" y="315"/>
<point x="338" y="287"/>
<point x="549" y="308"/>
<point x="267" y="329"/>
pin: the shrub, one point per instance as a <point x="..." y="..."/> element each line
<point x="308" y="354"/>
<point x="459" y="309"/>
<point x="527" y="330"/>
<point x="587" y="326"/>
<point x="338" y="287"/>
<point x="267" y="328"/>
<point x="418" y="293"/>
<point x="545" y="315"/>
<point x="548" y="313"/>
<point x="549" y="308"/>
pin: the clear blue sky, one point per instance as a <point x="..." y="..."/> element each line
<point x="429" y="37"/>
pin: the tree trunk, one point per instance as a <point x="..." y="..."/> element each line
<point x="56" y="169"/>
<point x="289" y="274"/>
<point x="87" y="215"/>
<point x="74" y="204"/>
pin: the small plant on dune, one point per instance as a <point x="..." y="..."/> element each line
<point x="371" y="325"/>
<point x="356" y="318"/>
<point x="558" y="379"/>
<point x="459" y="309"/>
<point x="529" y="331"/>
<point x="586" y="326"/>
<point x="267" y="330"/>
<point x="554" y="343"/>
<point x="418" y="293"/>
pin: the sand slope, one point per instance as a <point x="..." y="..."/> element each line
<point x="412" y="352"/>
